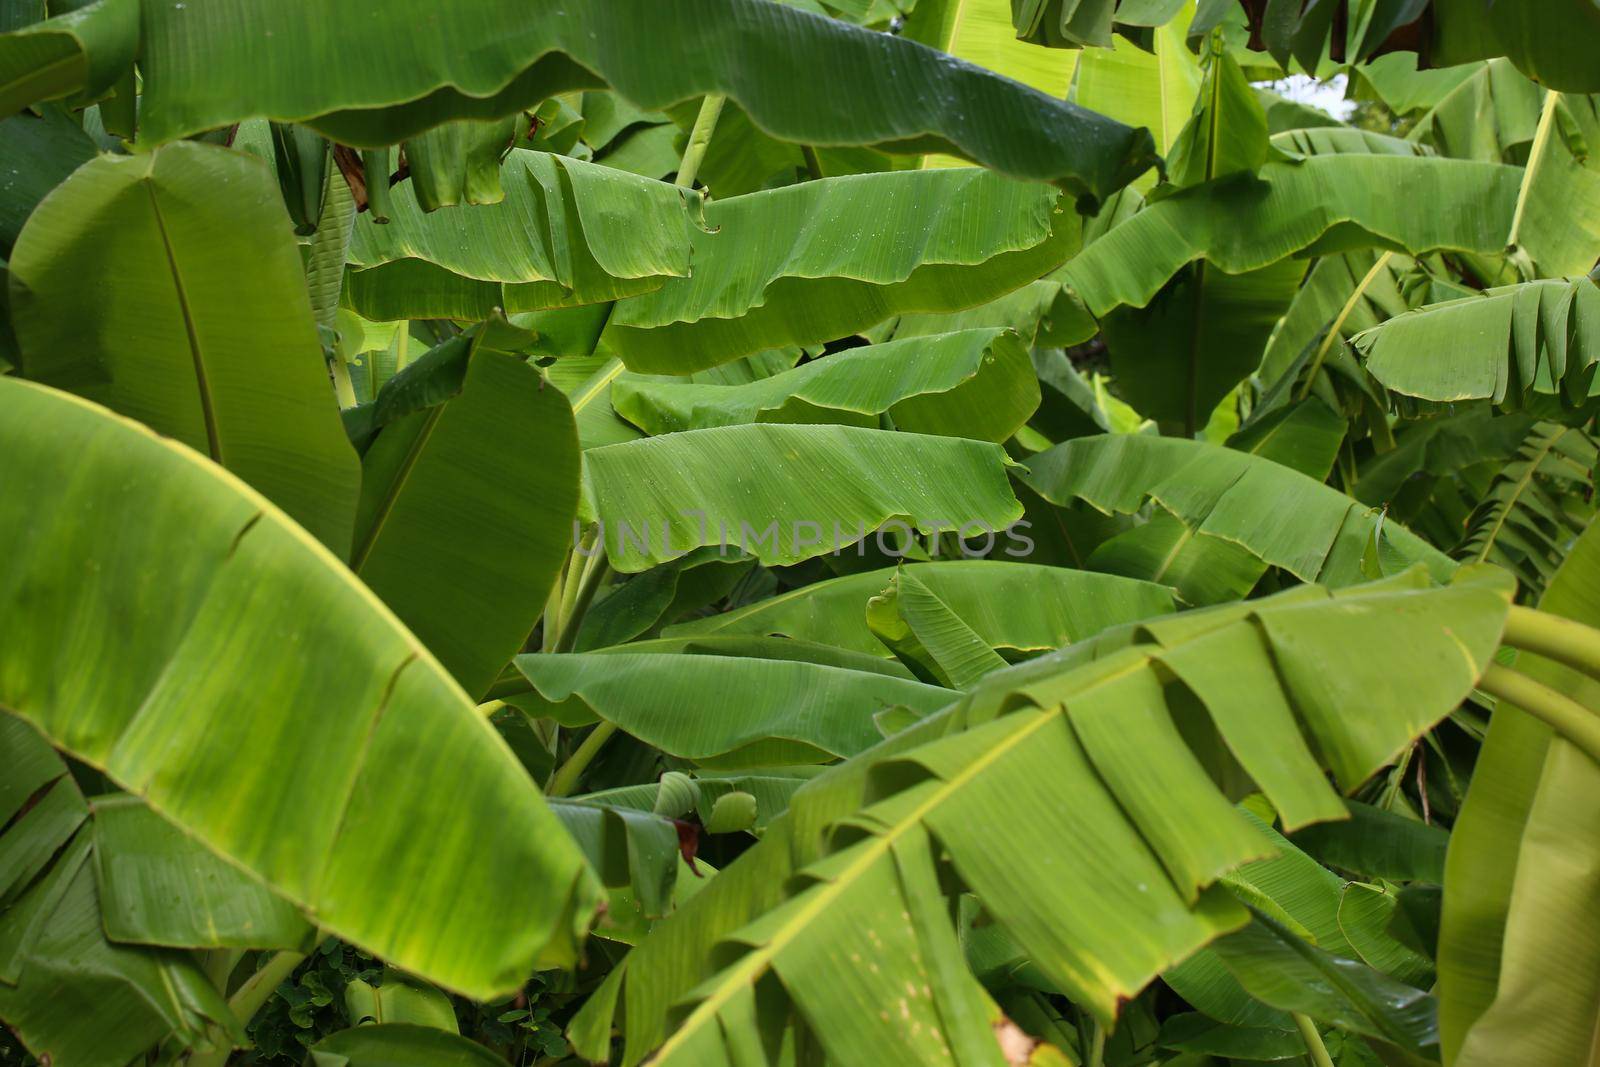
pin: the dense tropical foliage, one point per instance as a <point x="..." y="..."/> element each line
<point x="722" y="532"/>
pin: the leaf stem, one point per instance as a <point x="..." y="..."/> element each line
<point x="218" y="964"/>
<point x="1313" y="1040"/>
<point x="594" y="574"/>
<point x="1570" y="719"/>
<point x="1541" y="141"/>
<point x="1336" y="327"/>
<point x="343" y="388"/>
<point x="248" y="1000"/>
<point x="1097" y="1044"/>
<point x="1554" y="637"/>
<point x="705" y="124"/>
<point x="566" y="777"/>
<point x="813" y="163"/>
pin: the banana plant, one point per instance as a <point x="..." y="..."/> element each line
<point x="793" y="534"/>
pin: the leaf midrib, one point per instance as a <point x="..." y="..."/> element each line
<point x="1519" y="487"/>
<point x="743" y="974"/>
<point x="202" y="383"/>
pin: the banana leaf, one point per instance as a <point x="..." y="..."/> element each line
<point x="1178" y="357"/>
<point x="459" y="163"/>
<point x="1017" y="607"/>
<point x="367" y="79"/>
<point x="69" y="994"/>
<point x="1398" y="80"/>
<point x="396" y="1044"/>
<point x="1517" y="952"/>
<point x="1508" y="346"/>
<point x="159" y="886"/>
<point x="1558" y="213"/>
<point x="1378" y="844"/>
<point x="1276" y="514"/>
<point x="46" y="149"/>
<point x="1524" y="522"/>
<point x="1086" y="23"/>
<point x="466" y="514"/>
<point x="980" y="32"/>
<point x="769" y="712"/>
<point x="76" y="56"/>
<point x="930" y="639"/>
<point x="567" y="233"/>
<point x="787" y="493"/>
<point x="627" y="848"/>
<point x="1154" y="87"/>
<point x="1282" y="969"/>
<point x="1346" y="294"/>
<point x="1551" y="45"/>
<point x="976" y="384"/>
<point x="1083" y="743"/>
<point x="257" y="649"/>
<point x="1491" y="115"/>
<point x="812" y="262"/>
<point x="1315" y="206"/>
<point x="125" y="290"/>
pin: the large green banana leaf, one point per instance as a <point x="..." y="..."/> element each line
<point x="247" y="687"/>
<point x="1519" y="959"/>
<point x="1176" y="358"/>
<point x="811" y="262"/>
<point x="1504" y="345"/>
<point x="69" y="993"/>
<point x="1063" y="796"/>
<point x="1278" y="967"/>
<point x="976" y="383"/>
<point x="1317" y="205"/>
<point x="368" y="76"/>
<point x="46" y="149"/>
<point x="628" y="848"/>
<point x="459" y="163"/>
<point x="767" y="712"/>
<point x="159" y="886"/>
<point x="125" y="289"/>
<point x="77" y="56"/>
<point x="1211" y="570"/>
<point x="1016" y="607"/>
<point x="932" y="641"/>
<point x="1498" y="115"/>
<point x="466" y="514"/>
<point x="1319" y="946"/>
<point x="1491" y="115"/>
<point x="567" y="233"/>
<point x="1275" y="513"/>
<point x="435" y="377"/>
<point x="1154" y="87"/>
<point x="1395" y="80"/>
<point x="786" y="493"/>
<point x="659" y="596"/>
<point x="1553" y="43"/>
<point x="1558" y="212"/>
<point x="980" y="32"/>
